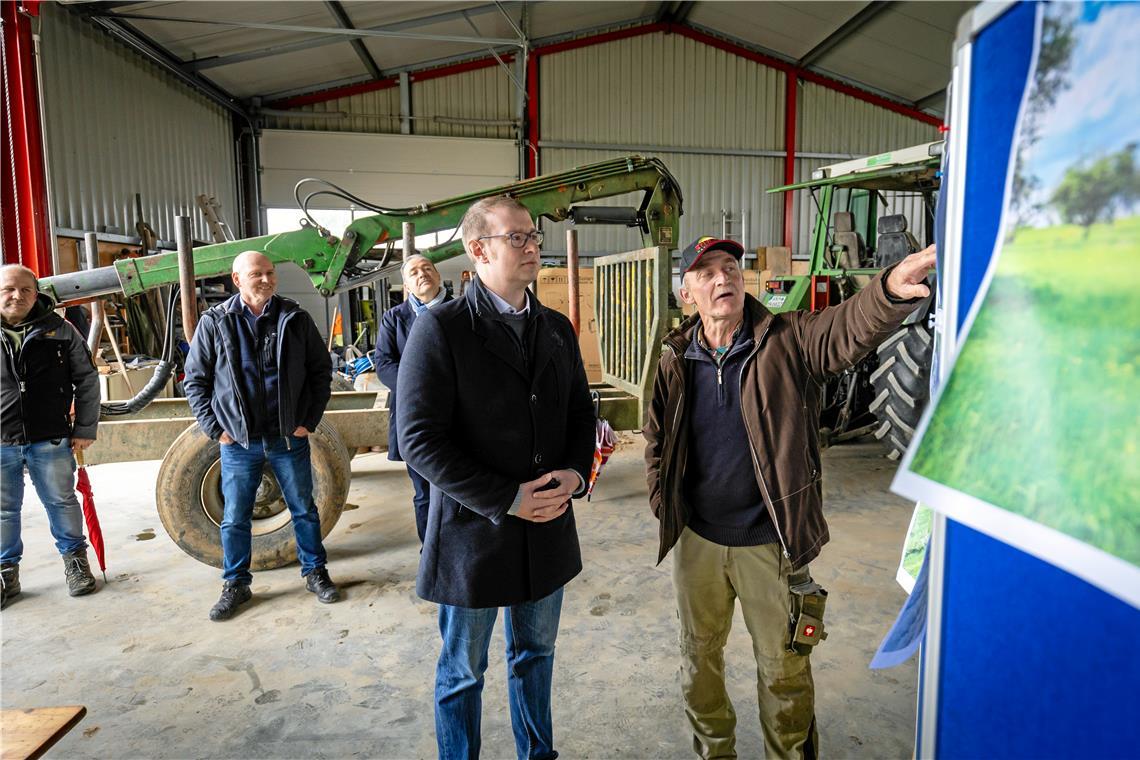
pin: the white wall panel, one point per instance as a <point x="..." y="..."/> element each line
<point x="393" y="171"/>
<point x="388" y="170"/>
<point x="118" y="125"/>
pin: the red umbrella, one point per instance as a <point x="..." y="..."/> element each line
<point x="605" y="441"/>
<point x="94" y="531"/>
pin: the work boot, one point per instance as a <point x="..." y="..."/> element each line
<point x="321" y="584"/>
<point x="9" y="583"/>
<point x="233" y="596"/>
<point x="77" y="571"/>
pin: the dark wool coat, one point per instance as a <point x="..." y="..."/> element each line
<point x="490" y="420"/>
<point x="391" y="341"/>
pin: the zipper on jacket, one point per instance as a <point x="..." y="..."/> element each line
<point x="16" y="369"/>
<point x="752" y="449"/>
<point x="282" y="380"/>
<point x="234" y="377"/>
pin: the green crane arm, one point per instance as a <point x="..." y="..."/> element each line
<point x="337" y="264"/>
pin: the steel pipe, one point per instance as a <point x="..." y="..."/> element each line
<point x="188" y="290"/>
<point x="95" y="331"/>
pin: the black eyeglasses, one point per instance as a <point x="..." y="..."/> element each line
<point x="518" y="239"/>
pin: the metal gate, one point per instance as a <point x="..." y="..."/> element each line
<point x="631" y="304"/>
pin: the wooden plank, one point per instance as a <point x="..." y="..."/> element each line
<point x="29" y="733"/>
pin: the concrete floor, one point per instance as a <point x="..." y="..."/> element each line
<point x="291" y="678"/>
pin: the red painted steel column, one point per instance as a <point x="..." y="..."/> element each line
<point x="789" y="153"/>
<point x="532" y="114"/>
<point x="24" y="189"/>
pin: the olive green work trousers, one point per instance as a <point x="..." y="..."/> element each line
<point x="708" y="579"/>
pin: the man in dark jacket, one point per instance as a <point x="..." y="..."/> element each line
<point x="733" y="467"/>
<point x="505" y="437"/>
<point x="422" y="283"/>
<point x="257" y="379"/>
<point x="46" y="367"/>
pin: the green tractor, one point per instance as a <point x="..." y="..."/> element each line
<point x="859" y="231"/>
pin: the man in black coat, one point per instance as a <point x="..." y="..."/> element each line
<point x="258" y="379"/>
<point x="422" y="283"/>
<point x="504" y="431"/>
<point x="44" y="370"/>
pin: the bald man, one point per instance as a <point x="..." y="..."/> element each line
<point x="422" y="283"/>
<point x="257" y="379"/>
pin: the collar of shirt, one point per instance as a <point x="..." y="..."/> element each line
<point x="505" y="308"/>
<point x="418" y="305"/>
<point x="266" y="310"/>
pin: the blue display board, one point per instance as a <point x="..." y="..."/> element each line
<point x="1033" y="662"/>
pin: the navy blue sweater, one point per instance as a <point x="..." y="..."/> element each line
<point x="720" y="484"/>
<point x="257" y="340"/>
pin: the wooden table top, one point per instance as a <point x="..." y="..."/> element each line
<point x="29" y="733"/>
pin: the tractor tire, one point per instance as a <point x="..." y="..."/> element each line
<point x="190" y="504"/>
<point x="901" y="386"/>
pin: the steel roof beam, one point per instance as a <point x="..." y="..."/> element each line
<point x="341" y="16"/>
<point x="848" y="28"/>
<point x="332" y="32"/>
<point x="933" y="100"/>
<point x="682" y="12"/>
<point x="151" y="50"/>
<point x="308" y="44"/>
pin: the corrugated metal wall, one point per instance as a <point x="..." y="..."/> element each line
<point x="484" y="94"/>
<point x="376" y="111"/>
<point x="831" y="122"/>
<point x="668" y="91"/>
<point x="117" y="125"/>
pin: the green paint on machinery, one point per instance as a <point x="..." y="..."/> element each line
<point x="338" y="264"/>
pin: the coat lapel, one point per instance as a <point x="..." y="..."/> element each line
<point x="545" y="340"/>
<point x="495" y="338"/>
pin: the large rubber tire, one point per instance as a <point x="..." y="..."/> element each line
<point x="901" y="386"/>
<point x="190" y="502"/>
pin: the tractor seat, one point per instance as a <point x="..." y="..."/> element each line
<point x="895" y="242"/>
<point x="854" y="250"/>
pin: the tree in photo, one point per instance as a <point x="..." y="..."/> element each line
<point x="1054" y="59"/>
<point x="1099" y="191"/>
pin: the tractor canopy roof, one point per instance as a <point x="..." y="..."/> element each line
<point x="914" y="168"/>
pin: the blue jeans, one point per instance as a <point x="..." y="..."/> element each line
<point x="241" y="475"/>
<point x="531" y="630"/>
<point x="420" y="501"/>
<point x="52" y="468"/>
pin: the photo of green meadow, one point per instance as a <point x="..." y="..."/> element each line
<point x="1041" y="414"/>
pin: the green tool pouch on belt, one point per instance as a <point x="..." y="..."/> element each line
<point x="806" y="625"/>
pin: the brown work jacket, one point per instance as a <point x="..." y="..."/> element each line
<point x="782" y="384"/>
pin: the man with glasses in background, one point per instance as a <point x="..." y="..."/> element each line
<point x="506" y="438"/>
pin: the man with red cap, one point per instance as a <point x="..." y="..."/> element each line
<point x="733" y="465"/>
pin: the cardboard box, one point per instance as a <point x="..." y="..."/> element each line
<point x="112" y="387"/>
<point x="801" y="266"/>
<point x="553" y="292"/>
<point x="778" y="259"/>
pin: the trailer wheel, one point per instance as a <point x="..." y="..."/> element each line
<point x="190" y="504"/>
<point x="901" y="386"/>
